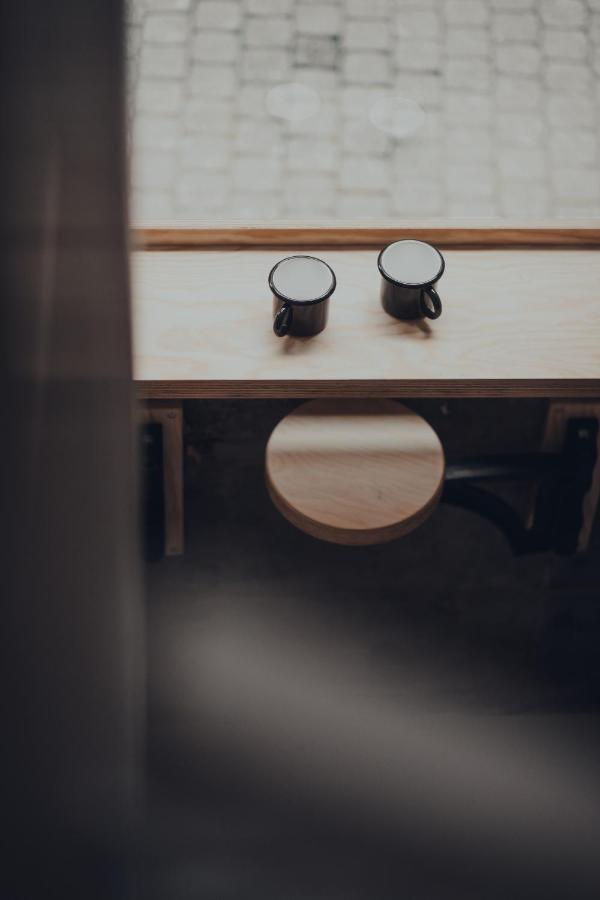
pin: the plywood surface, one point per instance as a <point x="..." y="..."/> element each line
<point x="515" y="323"/>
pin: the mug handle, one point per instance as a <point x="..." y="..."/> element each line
<point x="429" y="313"/>
<point x="283" y="320"/>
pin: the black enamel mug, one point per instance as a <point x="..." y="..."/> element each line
<point x="301" y="288"/>
<point x="409" y="270"/>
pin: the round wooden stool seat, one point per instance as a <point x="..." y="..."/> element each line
<point x="354" y="471"/>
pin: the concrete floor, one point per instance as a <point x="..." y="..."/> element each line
<point x="444" y="620"/>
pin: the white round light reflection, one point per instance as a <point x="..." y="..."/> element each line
<point x="293" y="101"/>
<point x="302" y="278"/>
<point x="399" y="116"/>
<point x="411" y="262"/>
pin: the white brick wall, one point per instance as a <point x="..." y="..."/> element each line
<point x="577" y="184"/>
<point x="251" y="101"/>
<point x="257" y="173"/>
<point x="527" y="199"/>
<point x="312" y="154"/>
<point x="158" y="61"/>
<point x="510" y="88"/>
<point x="476" y="180"/>
<point x="166" y="5"/>
<point x="270" y="7"/>
<point x="468" y="42"/>
<point x="518" y="59"/>
<point x="470" y="73"/>
<point x="205" y="152"/>
<point x="202" y="190"/>
<point x="219" y="14"/>
<point x="366" y="68"/>
<point x="364" y="174"/>
<point x="358" y="138"/>
<point x="275" y="31"/>
<point x="563" y="44"/>
<point x="309" y="195"/>
<point x="269" y="65"/>
<point x="563" y="12"/>
<point x="364" y="35"/>
<point x="520" y="129"/>
<point x="515" y="26"/>
<point x="363" y="205"/>
<point x="419" y="56"/>
<point x="468" y="144"/>
<point x="471" y="207"/>
<point x="467" y="12"/>
<point x="518" y="5"/>
<point x="523" y="163"/>
<point x="165" y="28"/>
<point x="422" y="161"/>
<point x="415" y="22"/>
<point x="212" y="80"/>
<point x="154" y="95"/>
<point x="464" y="107"/>
<point x="417" y="197"/>
<point x="356" y="100"/>
<point x="368" y="9"/>
<point x="215" y="46"/>
<point x="425" y="88"/>
<point x="566" y="111"/>
<point x="575" y="147"/>
<point x="153" y="169"/>
<point x="156" y="132"/>
<point x="568" y="78"/>
<point x="258" y="137"/>
<point x="326" y="123"/>
<point x="517" y="93"/>
<point x="318" y="18"/>
<point x="152" y="204"/>
<point x="208" y="115"/>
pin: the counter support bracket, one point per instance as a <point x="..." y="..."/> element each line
<point x="566" y="480"/>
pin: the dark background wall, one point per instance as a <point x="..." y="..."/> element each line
<point x="456" y="570"/>
<point x="445" y="619"/>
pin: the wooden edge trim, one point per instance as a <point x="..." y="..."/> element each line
<point x="472" y="234"/>
<point x="239" y="390"/>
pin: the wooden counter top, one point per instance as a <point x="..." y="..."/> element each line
<point x="516" y="323"/>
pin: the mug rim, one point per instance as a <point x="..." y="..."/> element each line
<point x="410" y="284"/>
<point x="284" y="297"/>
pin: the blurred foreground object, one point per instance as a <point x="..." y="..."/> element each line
<point x="374" y="797"/>
<point x="71" y="626"/>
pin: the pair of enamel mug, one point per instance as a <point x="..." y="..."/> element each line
<point x="302" y="287"/>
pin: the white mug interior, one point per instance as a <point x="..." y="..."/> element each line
<point x="412" y="262"/>
<point x="302" y="278"/>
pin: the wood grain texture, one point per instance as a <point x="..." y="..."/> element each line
<point x="553" y="441"/>
<point x="516" y="323"/>
<point x="354" y="472"/>
<point x="170" y="416"/>
<point x="470" y="233"/>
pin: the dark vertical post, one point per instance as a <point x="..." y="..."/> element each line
<point x="71" y="625"/>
